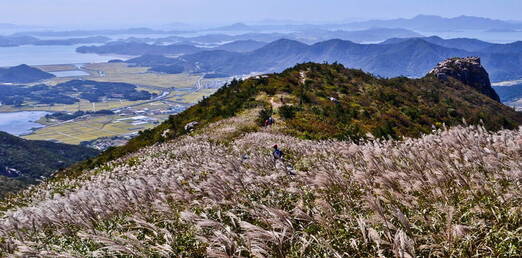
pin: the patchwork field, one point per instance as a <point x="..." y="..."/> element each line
<point x="121" y="72"/>
<point x="57" y="68"/>
<point x="89" y="129"/>
<point x="193" y="97"/>
<point x="84" y="105"/>
<point x="181" y="88"/>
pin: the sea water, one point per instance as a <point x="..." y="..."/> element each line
<point x="21" y="123"/>
<point x="46" y="55"/>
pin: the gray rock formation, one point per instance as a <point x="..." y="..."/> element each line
<point x="467" y="70"/>
<point x="191" y="126"/>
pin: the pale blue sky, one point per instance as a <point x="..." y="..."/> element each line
<point x="147" y="12"/>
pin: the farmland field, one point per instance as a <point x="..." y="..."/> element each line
<point x="180" y="91"/>
<point x="89" y="129"/>
<point x="121" y="72"/>
<point x="84" y="105"/>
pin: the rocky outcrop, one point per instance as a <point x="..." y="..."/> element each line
<point x="467" y="70"/>
<point x="191" y="126"/>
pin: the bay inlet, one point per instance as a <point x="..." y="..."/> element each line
<point x="21" y="123"/>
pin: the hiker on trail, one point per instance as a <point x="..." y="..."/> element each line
<point x="271" y="120"/>
<point x="277" y="153"/>
<point x="278" y="158"/>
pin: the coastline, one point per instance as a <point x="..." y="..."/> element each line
<point x="22" y="123"/>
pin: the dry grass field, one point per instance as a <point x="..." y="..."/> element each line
<point x="119" y="72"/>
<point x="88" y="129"/>
<point x="219" y="193"/>
<point x="84" y="105"/>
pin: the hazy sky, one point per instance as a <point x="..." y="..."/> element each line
<point x="148" y="12"/>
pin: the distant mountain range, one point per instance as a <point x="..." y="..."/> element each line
<point x="372" y="35"/>
<point x="23" y="74"/>
<point x="430" y="23"/>
<point x="14" y="41"/>
<point x="80" y="33"/>
<point x="423" y="23"/>
<point x="241" y="46"/>
<point x="420" y="23"/>
<point x="24" y="162"/>
<point x="134" y="48"/>
<point x="459" y="43"/>
<point x="176" y="45"/>
<point x="438" y="23"/>
<point x="236" y="27"/>
<point x="140" y="48"/>
<point x="399" y="57"/>
<point x="509" y="93"/>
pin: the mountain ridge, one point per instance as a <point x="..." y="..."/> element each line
<point x="412" y="57"/>
<point x="215" y="189"/>
<point x="415" y="105"/>
<point x="467" y="44"/>
<point x="435" y="23"/>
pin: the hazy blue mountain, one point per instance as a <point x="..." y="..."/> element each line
<point x="437" y="23"/>
<point x="509" y="93"/>
<point x="241" y="46"/>
<point x="13" y="41"/>
<point x="236" y="43"/>
<point x="208" y="38"/>
<point x="511" y="48"/>
<point x="503" y="61"/>
<point x="23" y="74"/>
<point x="361" y="36"/>
<point x="234" y="27"/>
<point x="73" y="41"/>
<point x="411" y="57"/>
<point x="460" y="43"/>
<point x="280" y="27"/>
<point x="135" y="48"/>
<point x="308" y="36"/>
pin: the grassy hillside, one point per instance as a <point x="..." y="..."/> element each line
<point x="24" y="162"/>
<point x="365" y="104"/>
<point x="220" y="193"/>
<point x="386" y="189"/>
